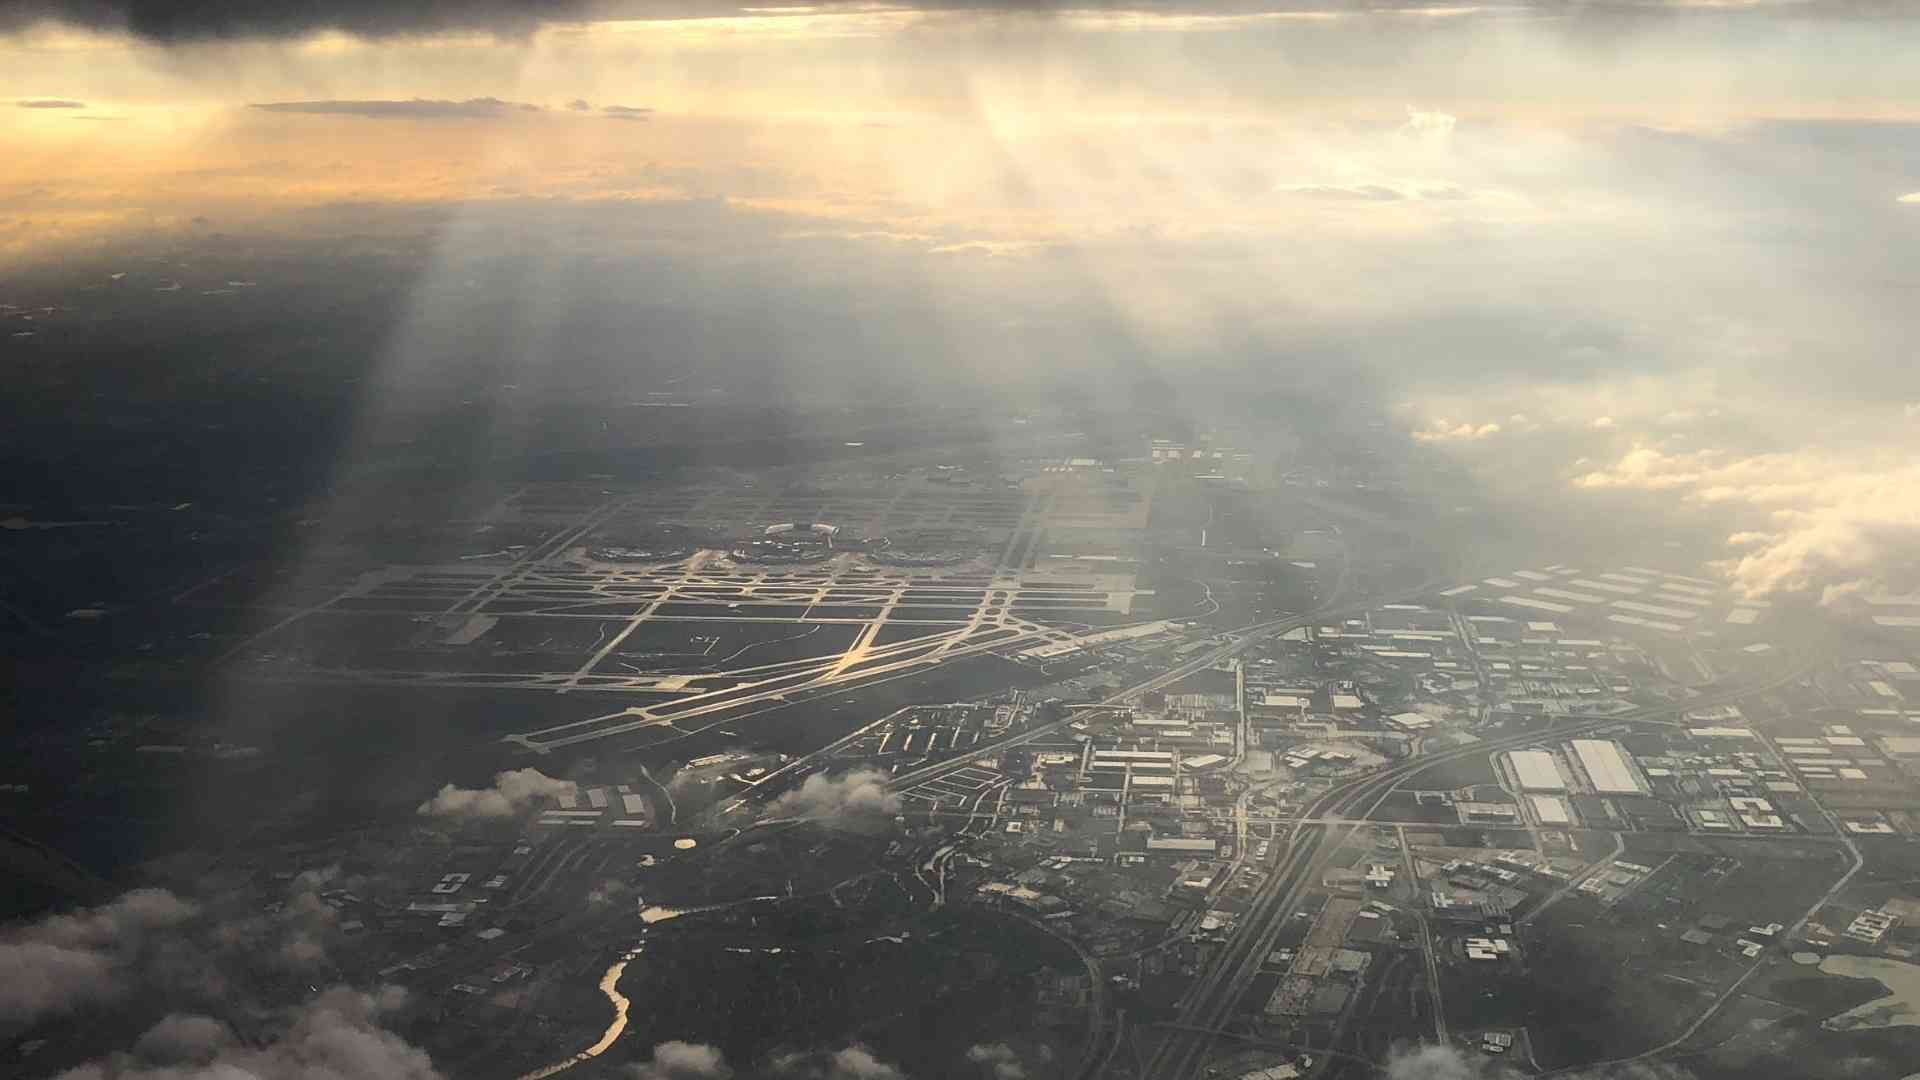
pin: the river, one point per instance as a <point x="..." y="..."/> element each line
<point x="610" y="986"/>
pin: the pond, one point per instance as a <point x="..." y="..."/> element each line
<point x="1899" y="1008"/>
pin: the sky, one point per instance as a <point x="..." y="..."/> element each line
<point x="1616" y="249"/>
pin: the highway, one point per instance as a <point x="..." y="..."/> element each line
<point x="1210" y="1003"/>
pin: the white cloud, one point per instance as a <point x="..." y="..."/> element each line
<point x="1602" y="423"/>
<point x="855" y="1062"/>
<point x="678" y="1060"/>
<point x="1432" y="1062"/>
<point x="1441" y="431"/>
<point x="997" y="1059"/>
<point x="513" y="791"/>
<point x="1648" y="468"/>
<point x="1830" y="517"/>
<point x="858" y="1063"/>
<point x="854" y="795"/>
<point x="1909" y="197"/>
<point x="1430" y="129"/>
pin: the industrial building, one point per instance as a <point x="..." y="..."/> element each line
<point x="1551" y="809"/>
<point x="1182" y="845"/>
<point x="1607" y="767"/>
<point x="1537" y="770"/>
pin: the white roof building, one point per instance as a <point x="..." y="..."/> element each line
<point x="1606" y="766"/>
<point x="1537" y="770"/>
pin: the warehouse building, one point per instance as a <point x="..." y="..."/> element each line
<point x="1537" y="771"/>
<point x="1606" y="766"/>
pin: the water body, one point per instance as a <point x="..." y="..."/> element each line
<point x="610" y="986"/>
<point x="657" y="913"/>
<point x="1901" y="1006"/>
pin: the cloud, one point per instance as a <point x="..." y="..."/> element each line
<point x="290" y="936"/>
<point x="855" y="1062"/>
<point x="151" y="947"/>
<point x="1433" y="129"/>
<point x="630" y="112"/>
<point x="122" y="921"/>
<point x="50" y="103"/>
<point x="183" y="1039"/>
<point x="678" y="1060"/>
<point x="579" y="105"/>
<point x="1909" y="197"/>
<point x="43" y="980"/>
<point x="988" y="249"/>
<point x="1404" y="191"/>
<point x="1358" y="193"/>
<point x="513" y="790"/>
<point x="66" y="961"/>
<point x="854" y="795"/>
<point x="1830" y="517"/>
<point x="173" y="22"/>
<point x="412" y="109"/>
<point x="1440" y="431"/>
<point x="1648" y="468"/>
<point x="1602" y="423"/>
<point x="858" y="1063"/>
<point x="606" y="892"/>
<point x="153" y="943"/>
<point x="1434" y="1062"/>
<point x="338" y="1034"/>
<point x="998" y="1059"/>
<point x="170" y="21"/>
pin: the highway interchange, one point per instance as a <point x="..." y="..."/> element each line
<point x="1212" y="1000"/>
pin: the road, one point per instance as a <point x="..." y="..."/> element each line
<point x="1210" y="1003"/>
<point x="1237" y="641"/>
<point x="1840" y="884"/>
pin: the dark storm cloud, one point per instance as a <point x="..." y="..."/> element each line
<point x="411" y="109"/>
<point x="341" y="1033"/>
<point x="201" y="20"/>
<point x="153" y="943"/>
<point x="50" y="103"/>
<point x="127" y="919"/>
<point x="175" y="21"/>
<point x="152" y="952"/>
<point x="66" y="961"/>
<point x="44" y="979"/>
